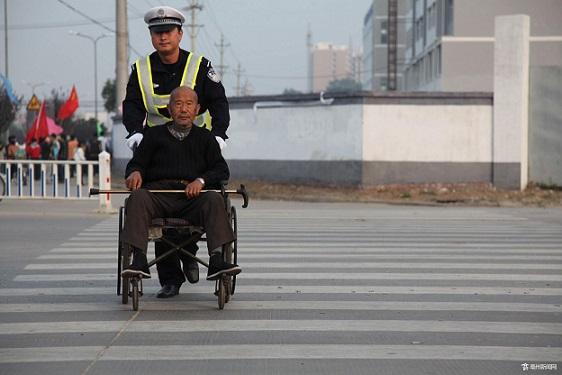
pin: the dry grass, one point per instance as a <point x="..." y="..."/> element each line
<point x="473" y="194"/>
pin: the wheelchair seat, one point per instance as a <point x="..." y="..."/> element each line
<point x="161" y="225"/>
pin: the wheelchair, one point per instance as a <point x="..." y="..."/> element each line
<point x="178" y="233"/>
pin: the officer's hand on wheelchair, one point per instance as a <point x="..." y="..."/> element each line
<point x="193" y="189"/>
<point x="221" y="142"/>
<point x="134" y="181"/>
<point x="133" y="140"/>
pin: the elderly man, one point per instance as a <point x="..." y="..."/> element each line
<point x="177" y="155"/>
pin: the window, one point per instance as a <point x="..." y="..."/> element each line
<point x="438" y="61"/>
<point x="384" y="32"/>
<point x="383" y="83"/>
<point x="449" y="17"/>
<point x="429" y="67"/>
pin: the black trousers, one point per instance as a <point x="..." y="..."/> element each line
<point x="206" y="210"/>
<point x="169" y="269"/>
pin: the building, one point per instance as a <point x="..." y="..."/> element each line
<point x="328" y="62"/>
<point x="375" y="45"/>
<point x="450" y="43"/>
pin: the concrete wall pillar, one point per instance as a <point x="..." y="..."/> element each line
<point x="511" y="102"/>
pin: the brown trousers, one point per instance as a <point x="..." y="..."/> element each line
<point x="207" y="210"/>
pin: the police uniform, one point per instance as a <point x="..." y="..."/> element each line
<point x="151" y="82"/>
<point x="165" y="78"/>
<point x="148" y="91"/>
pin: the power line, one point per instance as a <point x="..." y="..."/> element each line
<point x="86" y="16"/>
<point x="216" y="23"/>
<point x="207" y="40"/>
<point x="138" y="11"/>
<point x="95" y="22"/>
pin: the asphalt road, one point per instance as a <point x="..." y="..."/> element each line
<point x="325" y="289"/>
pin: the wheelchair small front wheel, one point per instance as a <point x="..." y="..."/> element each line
<point x="221" y="288"/>
<point x="135" y="293"/>
<point x="125" y="281"/>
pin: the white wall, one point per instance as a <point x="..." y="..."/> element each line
<point x="321" y="132"/>
<point x="427" y="133"/>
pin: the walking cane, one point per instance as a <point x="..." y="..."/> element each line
<point x="241" y="191"/>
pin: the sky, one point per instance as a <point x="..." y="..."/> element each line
<point x="266" y="37"/>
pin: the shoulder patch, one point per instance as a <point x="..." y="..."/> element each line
<point x="213" y="76"/>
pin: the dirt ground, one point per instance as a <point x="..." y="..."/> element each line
<point x="470" y="194"/>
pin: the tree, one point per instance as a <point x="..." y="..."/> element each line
<point x="57" y="99"/>
<point x="344" y="85"/>
<point x="109" y="95"/>
<point x="291" y="91"/>
<point x="8" y="110"/>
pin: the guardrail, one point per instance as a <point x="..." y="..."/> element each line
<point x="55" y="179"/>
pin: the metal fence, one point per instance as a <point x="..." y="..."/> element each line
<point x="55" y="179"/>
<point x="46" y="179"/>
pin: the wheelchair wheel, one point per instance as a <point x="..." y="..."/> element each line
<point x="120" y="250"/>
<point x="227" y="279"/>
<point x="135" y="293"/>
<point x="125" y="281"/>
<point x="234" y="224"/>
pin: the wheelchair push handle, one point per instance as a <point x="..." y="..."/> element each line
<point x="240" y="191"/>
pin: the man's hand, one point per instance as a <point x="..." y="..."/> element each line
<point x="193" y="189"/>
<point x="134" y="181"/>
<point x="221" y="142"/>
<point x="133" y="140"/>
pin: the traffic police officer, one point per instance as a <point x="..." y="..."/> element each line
<point x="148" y="91"/>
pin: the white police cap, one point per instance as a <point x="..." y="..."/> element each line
<point x="163" y="18"/>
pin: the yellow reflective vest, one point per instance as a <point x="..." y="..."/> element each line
<point x="153" y="102"/>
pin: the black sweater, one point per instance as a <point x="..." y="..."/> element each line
<point x="161" y="156"/>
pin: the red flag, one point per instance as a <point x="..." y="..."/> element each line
<point x="70" y="106"/>
<point x="39" y="129"/>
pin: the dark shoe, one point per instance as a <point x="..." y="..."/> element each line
<point x="168" y="291"/>
<point x="191" y="271"/>
<point x="139" y="267"/>
<point x="218" y="267"/>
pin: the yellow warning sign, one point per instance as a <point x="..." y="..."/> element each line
<point x="34" y="104"/>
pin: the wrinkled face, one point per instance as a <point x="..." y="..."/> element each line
<point x="183" y="106"/>
<point x="166" y="42"/>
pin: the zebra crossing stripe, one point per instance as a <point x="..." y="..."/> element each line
<point x="238" y="325"/>
<point x="248" y="275"/>
<point x="237" y="304"/>
<point x="274" y="351"/>
<point x="337" y="250"/>
<point x="303" y="289"/>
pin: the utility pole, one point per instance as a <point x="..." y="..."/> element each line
<point x="121" y="55"/>
<point x="193" y="26"/>
<point x="6" y="38"/>
<point x="238" y="72"/>
<point x="246" y="88"/>
<point x="309" y="57"/>
<point x="392" y="44"/>
<point x="222" y="46"/>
